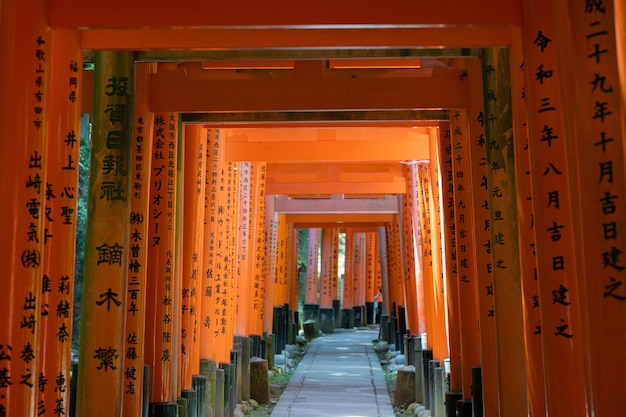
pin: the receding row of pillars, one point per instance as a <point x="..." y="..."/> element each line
<point x="546" y="294"/>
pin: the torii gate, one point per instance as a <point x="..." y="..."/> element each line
<point x="530" y="221"/>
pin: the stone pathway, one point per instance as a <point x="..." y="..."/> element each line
<point x="339" y="376"/>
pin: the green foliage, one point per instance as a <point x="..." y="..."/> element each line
<point x="81" y="223"/>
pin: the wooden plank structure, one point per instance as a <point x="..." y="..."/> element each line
<point x="471" y="153"/>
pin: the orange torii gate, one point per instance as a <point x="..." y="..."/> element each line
<point x="582" y="315"/>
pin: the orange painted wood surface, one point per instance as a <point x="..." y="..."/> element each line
<point x="244" y="245"/>
<point x="438" y="340"/>
<point x="593" y="125"/>
<point x="194" y="160"/>
<point x="189" y="13"/>
<point x="326" y="296"/>
<point x="202" y="38"/>
<point x="510" y="353"/>
<point x="134" y="341"/>
<point x="312" y="284"/>
<point x="424" y="176"/>
<point x="57" y="285"/>
<point x="25" y="43"/>
<point x="556" y="274"/>
<point x="482" y="231"/>
<point x="172" y="90"/>
<point x="161" y="348"/>
<point x="450" y="259"/>
<point x="465" y="248"/>
<point x="214" y="149"/>
<point x="103" y="311"/>
<point x="347" y="300"/>
<point x="258" y="286"/>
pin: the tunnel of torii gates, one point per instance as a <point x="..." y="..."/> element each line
<point x="471" y="151"/>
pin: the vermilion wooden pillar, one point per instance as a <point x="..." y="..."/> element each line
<point x="413" y="192"/>
<point x="594" y="127"/>
<point x="334" y="290"/>
<point x="358" y="291"/>
<point x="448" y="222"/>
<point x="311" y="291"/>
<point x="161" y="349"/>
<point x="61" y="191"/>
<point x="106" y="244"/>
<point x="392" y="276"/>
<point x="214" y="149"/>
<point x="503" y="224"/>
<point x="292" y="275"/>
<point x="225" y="286"/>
<point x="258" y="284"/>
<point x="244" y="266"/>
<point x="269" y="265"/>
<point x="293" y="267"/>
<point x="24" y="79"/>
<point x="482" y="232"/>
<point x="326" y="296"/>
<point x="193" y="237"/>
<point x="282" y="250"/>
<point x="439" y="340"/>
<point x="423" y="172"/>
<point x="466" y="248"/>
<point x="561" y="332"/>
<point x="528" y="262"/>
<point x="347" y="294"/>
<point x="370" y="267"/>
<point x="134" y="341"/>
<point x="408" y="248"/>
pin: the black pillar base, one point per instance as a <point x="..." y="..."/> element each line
<point x="311" y="312"/>
<point x="327" y="320"/>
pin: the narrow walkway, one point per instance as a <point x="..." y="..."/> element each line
<point x="339" y="376"/>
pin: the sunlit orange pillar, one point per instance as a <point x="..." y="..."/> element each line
<point x="408" y="248"/>
<point x="24" y="78"/>
<point x="334" y="290"/>
<point x="193" y="237"/>
<point x="499" y="144"/>
<point x="394" y="265"/>
<point x="444" y="160"/>
<point x="61" y="191"/>
<point x="437" y="341"/>
<point x="282" y="250"/>
<point x="257" y="292"/>
<point x="326" y="297"/>
<point x="466" y="248"/>
<point x="526" y="225"/>
<point x="346" y="294"/>
<point x="482" y="236"/>
<point x="561" y="332"/>
<point x="244" y="266"/>
<point x="103" y="309"/>
<point x="423" y="175"/>
<point x="311" y="290"/>
<point x="160" y="350"/>
<point x="269" y="265"/>
<point x="225" y="285"/>
<point x="214" y="150"/>
<point x="358" y="291"/>
<point x="293" y="268"/>
<point x="371" y="290"/>
<point x="134" y="340"/>
<point x="413" y="190"/>
<point x="592" y="99"/>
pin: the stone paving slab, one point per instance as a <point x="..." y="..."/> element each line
<point x="339" y="376"/>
